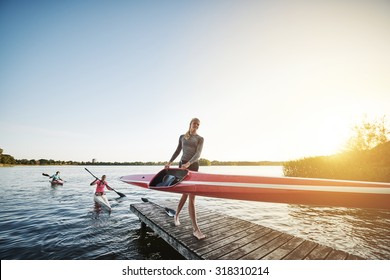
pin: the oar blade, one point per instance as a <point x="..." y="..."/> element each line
<point x="120" y="194"/>
<point x="170" y="212"/>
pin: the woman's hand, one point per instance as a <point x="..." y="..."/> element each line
<point x="186" y="165"/>
<point x="168" y="165"/>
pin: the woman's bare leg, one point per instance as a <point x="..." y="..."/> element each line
<point x="192" y="211"/>
<point x="179" y="207"/>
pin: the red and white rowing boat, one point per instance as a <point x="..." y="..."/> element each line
<point x="291" y="190"/>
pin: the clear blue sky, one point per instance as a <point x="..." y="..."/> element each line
<point x="120" y="80"/>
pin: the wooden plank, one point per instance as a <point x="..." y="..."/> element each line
<point x="251" y="246"/>
<point x="227" y="239"/>
<point x="267" y="248"/>
<point x="319" y="253"/>
<point x="231" y="227"/>
<point x="301" y="251"/>
<point x="337" y="255"/>
<point x="230" y="238"/>
<point x="208" y="230"/>
<point x="354" y="257"/>
<point x="238" y="243"/>
<point x="285" y="249"/>
<point x="185" y="224"/>
<point x="206" y="226"/>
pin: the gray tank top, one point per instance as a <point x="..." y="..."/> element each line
<point x="192" y="148"/>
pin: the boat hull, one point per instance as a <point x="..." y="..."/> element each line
<point x="102" y="201"/>
<point x="319" y="192"/>
<point x="56" y="182"/>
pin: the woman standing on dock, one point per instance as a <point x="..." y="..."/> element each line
<point x="191" y="144"/>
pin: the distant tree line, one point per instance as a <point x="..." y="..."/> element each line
<point x="9" y="160"/>
<point x="6" y="159"/>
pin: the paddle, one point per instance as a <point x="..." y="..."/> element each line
<point x="170" y="212"/>
<point x="118" y="193"/>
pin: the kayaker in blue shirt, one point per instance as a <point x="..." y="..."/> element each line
<point x="56" y="177"/>
<point x="191" y="144"/>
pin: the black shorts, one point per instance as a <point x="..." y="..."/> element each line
<point x="192" y="167"/>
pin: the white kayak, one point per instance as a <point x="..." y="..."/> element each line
<point x="102" y="201"/>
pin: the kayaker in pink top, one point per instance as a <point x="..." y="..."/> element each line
<point x="100" y="185"/>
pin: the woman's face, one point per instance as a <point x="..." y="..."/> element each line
<point x="195" y="126"/>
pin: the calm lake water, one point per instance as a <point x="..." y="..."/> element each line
<point x="41" y="222"/>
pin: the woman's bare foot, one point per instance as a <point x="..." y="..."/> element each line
<point x="198" y="234"/>
<point x="177" y="222"/>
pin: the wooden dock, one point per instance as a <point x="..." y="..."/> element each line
<point x="230" y="238"/>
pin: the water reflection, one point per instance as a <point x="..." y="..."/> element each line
<point x="350" y="229"/>
<point x="38" y="221"/>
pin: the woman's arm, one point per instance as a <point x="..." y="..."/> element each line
<point x="177" y="152"/>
